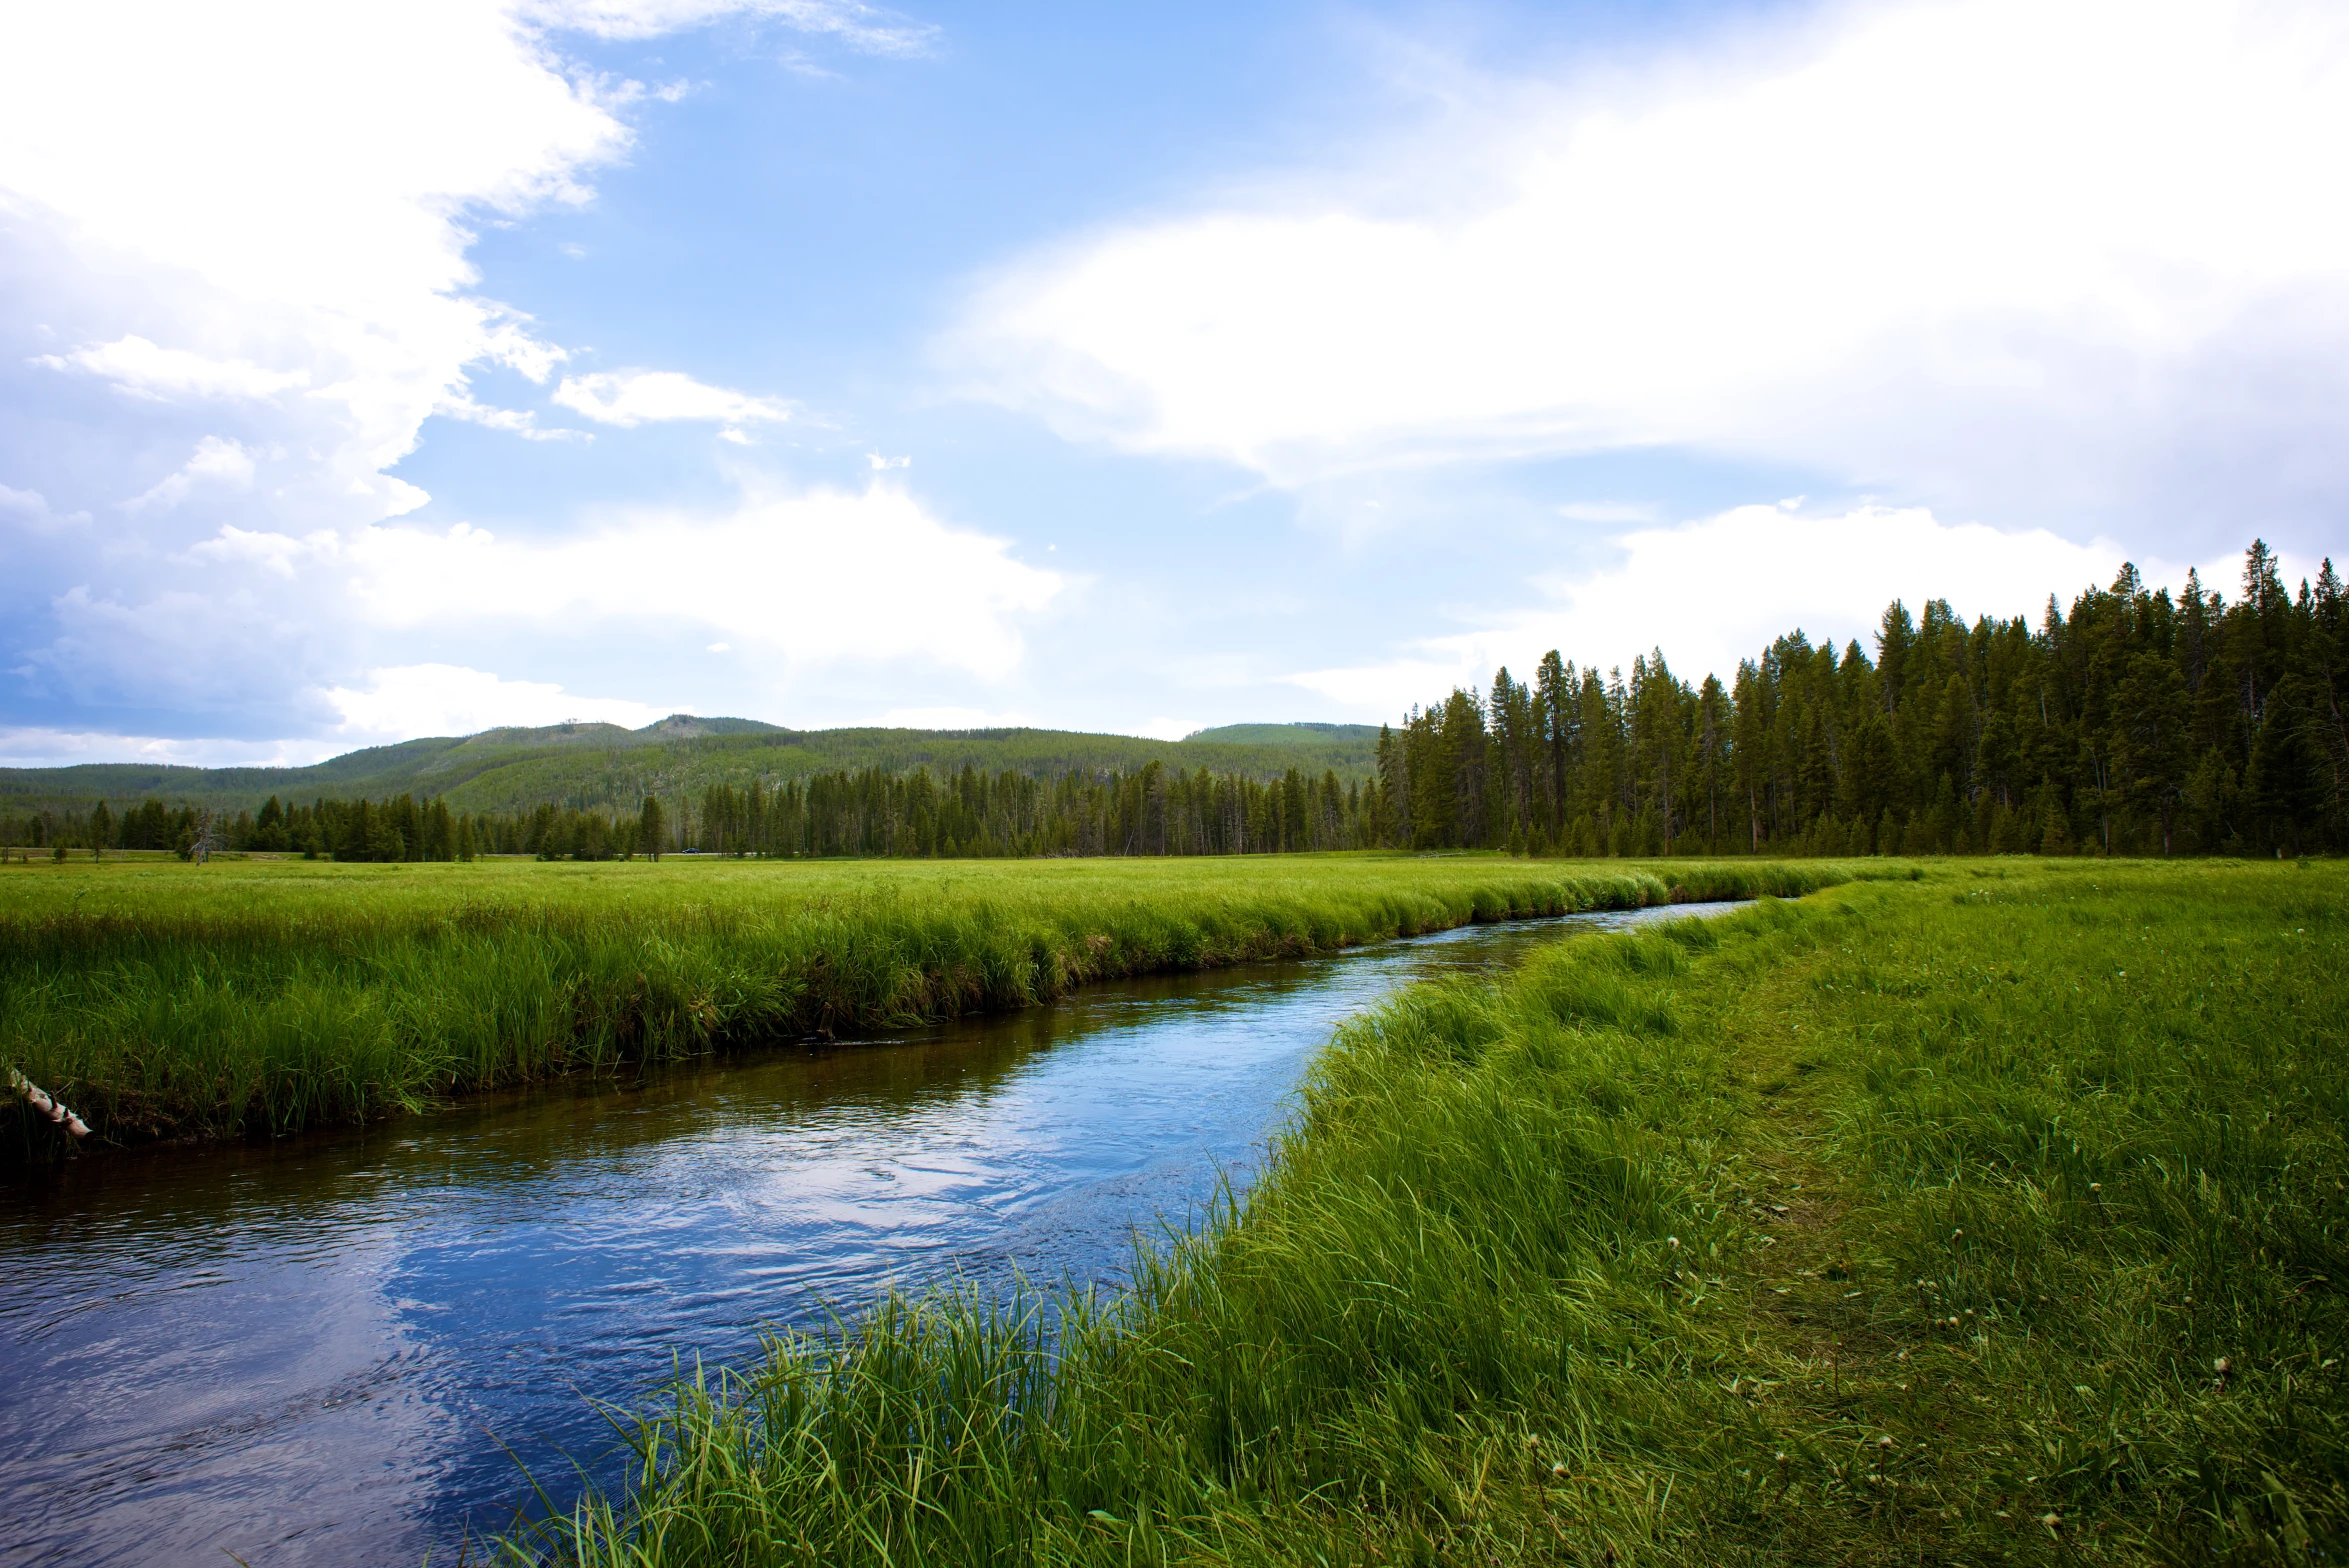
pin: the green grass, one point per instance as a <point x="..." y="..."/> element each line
<point x="1996" y="1217"/>
<point x="163" y="1000"/>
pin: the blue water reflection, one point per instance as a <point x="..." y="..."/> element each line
<point x="333" y="1350"/>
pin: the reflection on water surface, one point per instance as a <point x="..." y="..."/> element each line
<point x="321" y="1351"/>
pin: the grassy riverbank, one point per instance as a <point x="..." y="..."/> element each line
<point x="167" y="1000"/>
<point x="1997" y="1217"/>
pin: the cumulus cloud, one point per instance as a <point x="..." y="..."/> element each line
<point x="259" y="217"/>
<point x="799" y="579"/>
<point x="141" y="368"/>
<point x="787" y="583"/>
<point x="31" y="510"/>
<point x="2039" y="260"/>
<point x="272" y="204"/>
<point x="509" y="343"/>
<point x="278" y="554"/>
<point x="630" y="397"/>
<point x="1718" y="590"/>
<point x="402" y="701"/>
<point x="514" y="421"/>
<point x="215" y="462"/>
<point x="38" y="746"/>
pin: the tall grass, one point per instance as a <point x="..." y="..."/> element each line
<point x="1897" y="1225"/>
<point x="208" y="1001"/>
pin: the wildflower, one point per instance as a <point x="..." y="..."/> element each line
<point x="1671" y="1241"/>
<point x="2053" y="1521"/>
<point x="1558" y="1469"/>
<point x="2222" y="1365"/>
<point x="1886" y="1440"/>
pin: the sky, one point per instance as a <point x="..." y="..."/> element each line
<point x="371" y="371"/>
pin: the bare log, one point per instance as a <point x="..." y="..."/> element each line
<point x="47" y="1105"/>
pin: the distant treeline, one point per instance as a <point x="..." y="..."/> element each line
<point x="2137" y="724"/>
<point x="1154" y="811"/>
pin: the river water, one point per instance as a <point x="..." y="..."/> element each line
<point x="343" y="1348"/>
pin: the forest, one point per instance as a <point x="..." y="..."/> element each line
<point x="2136" y="723"/>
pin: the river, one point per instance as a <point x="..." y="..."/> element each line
<point x="341" y="1348"/>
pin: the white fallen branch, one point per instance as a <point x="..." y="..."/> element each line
<point x="41" y="1101"/>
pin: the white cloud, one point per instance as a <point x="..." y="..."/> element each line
<point x="278" y="554"/>
<point x="273" y="203"/>
<point x="139" y="367"/>
<point x="1719" y="590"/>
<point x="215" y="461"/>
<point x="2052" y="259"/>
<point x="794" y="578"/>
<point x="1171" y="729"/>
<point x="509" y="344"/>
<point x="515" y="421"/>
<point x="882" y="464"/>
<point x="35" y="746"/>
<point x="405" y="701"/>
<point x="265" y="210"/>
<point x="31" y="509"/>
<point x="787" y="585"/>
<point x="630" y="397"/>
<point x="864" y="27"/>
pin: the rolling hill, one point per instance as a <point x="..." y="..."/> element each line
<point x="603" y="764"/>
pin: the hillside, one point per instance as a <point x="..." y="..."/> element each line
<point x="1287" y="734"/>
<point x="599" y="764"/>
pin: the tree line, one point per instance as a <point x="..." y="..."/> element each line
<point x="1154" y="810"/>
<point x="2137" y="723"/>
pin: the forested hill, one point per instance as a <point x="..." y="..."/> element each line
<point x="1290" y="735"/>
<point x="597" y="765"/>
<point x="2140" y="722"/>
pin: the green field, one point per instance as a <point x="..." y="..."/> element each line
<point x="1993" y="1217"/>
<point x="166" y="1000"/>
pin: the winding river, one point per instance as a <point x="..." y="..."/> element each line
<point x="336" y="1349"/>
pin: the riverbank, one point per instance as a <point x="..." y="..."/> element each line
<point x="1995" y="1216"/>
<point x="254" y="998"/>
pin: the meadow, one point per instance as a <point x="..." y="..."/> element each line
<point x="1996" y="1216"/>
<point x="255" y="997"/>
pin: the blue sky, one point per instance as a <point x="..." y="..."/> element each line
<point x="368" y="372"/>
